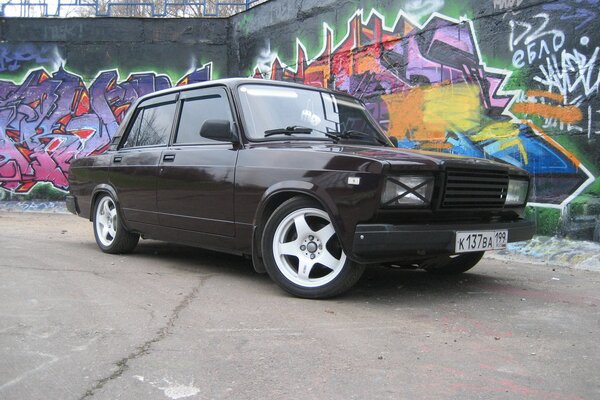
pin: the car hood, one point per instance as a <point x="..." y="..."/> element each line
<point x="394" y="157"/>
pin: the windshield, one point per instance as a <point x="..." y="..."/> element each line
<point x="280" y="112"/>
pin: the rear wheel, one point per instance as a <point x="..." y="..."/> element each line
<point x="452" y="265"/>
<point x="111" y="235"/>
<point x="302" y="252"/>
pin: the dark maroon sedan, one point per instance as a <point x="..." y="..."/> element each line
<point x="302" y="180"/>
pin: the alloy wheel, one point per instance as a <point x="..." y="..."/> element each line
<point x="306" y="248"/>
<point x="106" y="221"/>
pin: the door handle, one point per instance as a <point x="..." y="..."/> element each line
<point x="169" y="157"/>
<point x="117" y="159"/>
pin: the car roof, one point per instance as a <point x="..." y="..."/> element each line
<point x="233" y="83"/>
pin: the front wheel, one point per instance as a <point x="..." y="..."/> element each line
<point x="111" y="235"/>
<point x="302" y="252"/>
<point x="452" y="265"/>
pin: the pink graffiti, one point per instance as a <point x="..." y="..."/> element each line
<point x="50" y="119"/>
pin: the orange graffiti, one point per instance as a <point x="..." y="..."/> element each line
<point x="406" y="116"/>
<point x="566" y="114"/>
<point x="549" y="95"/>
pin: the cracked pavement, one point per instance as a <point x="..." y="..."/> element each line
<point x="173" y="322"/>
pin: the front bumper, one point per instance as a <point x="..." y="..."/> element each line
<point x="72" y="205"/>
<point x="386" y="242"/>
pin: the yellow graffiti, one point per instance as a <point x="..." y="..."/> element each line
<point x="426" y="113"/>
<point x="497" y="130"/>
<point x="504" y="132"/>
<point x="452" y="107"/>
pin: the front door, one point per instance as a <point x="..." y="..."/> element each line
<point x="196" y="174"/>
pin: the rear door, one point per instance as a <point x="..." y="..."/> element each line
<point x="134" y="166"/>
<point x="196" y="175"/>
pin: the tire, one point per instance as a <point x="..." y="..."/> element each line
<point x="302" y="252"/>
<point x="452" y="265"/>
<point x="111" y="236"/>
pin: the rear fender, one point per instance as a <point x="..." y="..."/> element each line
<point x="106" y="188"/>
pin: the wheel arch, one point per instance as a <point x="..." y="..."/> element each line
<point x="104" y="188"/>
<point x="97" y="192"/>
<point x="273" y="198"/>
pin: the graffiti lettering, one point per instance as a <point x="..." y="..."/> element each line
<point x="527" y="36"/>
<point x="536" y="48"/>
<point x="50" y="119"/>
<point x="572" y="73"/>
<point x="575" y="77"/>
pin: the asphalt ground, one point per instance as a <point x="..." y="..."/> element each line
<point x="173" y="322"/>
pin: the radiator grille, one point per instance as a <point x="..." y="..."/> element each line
<point x="475" y="189"/>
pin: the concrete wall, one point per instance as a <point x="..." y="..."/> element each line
<point x="514" y="80"/>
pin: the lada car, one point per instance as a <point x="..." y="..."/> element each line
<point x="301" y="180"/>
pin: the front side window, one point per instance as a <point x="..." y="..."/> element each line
<point x="152" y="126"/>
<point x="277" y="112"/>
<point x="132" y="136"/>
<point x="195" y="112"/>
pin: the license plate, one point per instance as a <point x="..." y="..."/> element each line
<point x="480" y="240"/>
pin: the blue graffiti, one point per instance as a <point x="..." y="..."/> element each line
<point x="14" y="57"/>
<point x="582" y="11"/>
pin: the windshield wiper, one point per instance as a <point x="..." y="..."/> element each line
<point x="353" y="134"/>
<point x="303" y="130"/>
<point x="290" y="130"/>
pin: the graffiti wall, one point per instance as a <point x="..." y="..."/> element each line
<point x="513" y="81"/>
<point x="510" y="80"/>
<point x="62" y="99"/>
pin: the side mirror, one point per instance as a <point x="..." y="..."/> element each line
<point x="218" y="129"/>
<point x="394" y="140"/>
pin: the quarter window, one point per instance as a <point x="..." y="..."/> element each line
<point x="195" y="112"/>
<point x="152" y="126"/>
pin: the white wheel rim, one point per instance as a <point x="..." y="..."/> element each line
<point x="299" y="251"/>
<point x="106" y="221"/>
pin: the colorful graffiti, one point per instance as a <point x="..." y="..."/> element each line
<point x="51" y="118"/>
<point x="428" y="86"/>
<point x="569" y="75"/>
<point x="511" y="80"/>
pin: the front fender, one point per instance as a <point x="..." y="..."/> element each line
<point x="282" y="191"/>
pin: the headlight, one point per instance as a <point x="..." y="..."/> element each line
<point x="407" y="190"/>
<point x="517" y="192"/>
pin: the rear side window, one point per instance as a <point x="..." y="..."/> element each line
<point x="152" y="126"/>
<point x="195" y="112"/>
